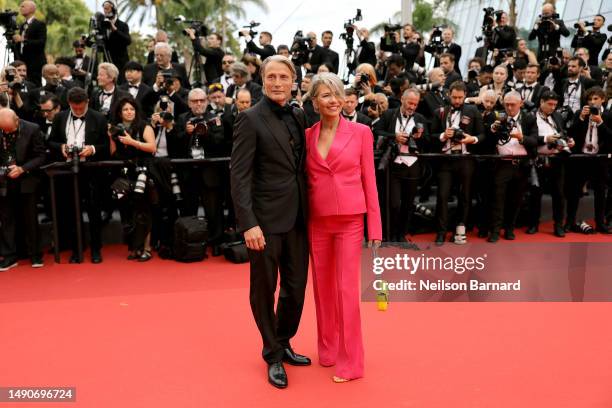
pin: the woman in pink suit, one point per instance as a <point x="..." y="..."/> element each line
<point x="341" y="189"/>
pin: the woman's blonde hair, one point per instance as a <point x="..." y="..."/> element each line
<point x="330" y="80"/>
<point x="368" y="69"/>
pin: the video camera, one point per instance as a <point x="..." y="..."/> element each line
<point x="250" y="26"/>
<point x="299" y="48"/>
<point x="347" y="36"/>
<point x="8" y="20"/>
<point x="436" y="44"/>
<point x="201" y="30"/>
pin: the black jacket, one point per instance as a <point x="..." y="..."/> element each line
<point x="117" y="44"/>
<point x="33" y="53"/>
<point x="30" y="155"/>
<point x="146" y="97"/>
<point x="214" y="59"/>
<point x="594" y="42"/>
<point x="317" y="57"/>
<point x="333" y="59"/>
<point x="263" y="52"/>
<point x="604" y="133"/>
<point x="268" y="186"/>
<point x="96" y="134"/>
<point x="553" y="38"/>
<point x="149" y="74"/>
<point x="94" y="101"/>
<point x="470" y="123"/>
<point x="254" y="88"/>
<point x="385" y="128"/>
<point x="529" y="128"/>
<point x="367" y="53"/>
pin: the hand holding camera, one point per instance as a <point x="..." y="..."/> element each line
<point x="401" y="137"/>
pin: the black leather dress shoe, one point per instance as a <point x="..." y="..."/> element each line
<point x="494" y="237"/>
<point x="216" y="250"/>
<point x="291" y="357"/>
<point x="532" y="230"/>
<point x="440" y="237"/>
<point x="603" y="229"/>
<point x="74" y="259"/>
<point x="559" y="231"/>
<point x="509" y="235"/>
<point x="277" y="375"/>
<point x="96" y="257"/>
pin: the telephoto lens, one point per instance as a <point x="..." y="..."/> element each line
<point x="141" y="180"/>
<point x="176" y="187"/>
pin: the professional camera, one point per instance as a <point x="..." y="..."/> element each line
<point x="472" y="75"/>
<point x="250" y="26"/>
<point x="560" y="144"/>
<point x="347" y="36"/>
<point x="4" y="171"/>
<point x="141" y="180"/>
<point x="116" y="131"/>
<point x="364" y="79"/>
<point x="548" y="22"/>
<point x="418" y="70"/>
<point x="412" y="146"/>
<point x="166" y="116"/>
<point x="299" y="48"/>
<point x="586" y="24"/>
<point x="8" y="20"/>
<point x="458" y="135"/>
<point x="488" y="25"/>
<point x="557" y="58"/>
<point x="594" y="110"/>
<point x="200" y="125"/>
<point x="436" y="44"/>
<point x="73" y="152"/>
<point x="10" y="78"/>
<point x="198" y="26"/>
<point x="506" y="124"/>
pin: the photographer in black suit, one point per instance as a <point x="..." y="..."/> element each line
<point x="404" y="134"/>
<point x="332" y="56"/>
<point x="163" y="62"/>
<point x="451" y="47"/>
<point x="268" y="155"/>
<point x="116" y="36"/>
<point x="211" y="49"/>
<point x="265" y="40"/>
<point x="202" y="133"/>
<point x="593" y="40"/>
<point x="105" y="97"/>
<point x="22" y="152"/>
<point x="30" y="42"/>
<point x="454" y="130"/>
<point x="143" y="93"/>
<point x="242" y="80"/>
<point x="516" y="138"/>
<point x="548" y="29"/>
<point x="316" y="54"/>
<point x="366" y="51"/>
<point x="82" y="132"/>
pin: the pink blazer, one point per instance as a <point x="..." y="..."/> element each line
<point x="344" y="183"/>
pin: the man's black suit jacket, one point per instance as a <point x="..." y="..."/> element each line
<point x="263" y="52"/>
<point x="33" y="53"/>
<point x="317" y="57"/>
<point x="117" y="44"/>
<point x="553" y="38"/>
<point x="30" y="155"/>
<point x="149" y="74"/>
<point x="470" y="123"/>
<point x="333" y="59"/>
<point x="268" y="186"/>
<point x="604" y="133"/>
<point x="367" y="54"/>
<point x="385" y="127"/>
<point x="254" y="89"/>
<point x="146" y="97"/>
<point x="529" y="128"/>
<point x="118" y="94"/>
<point x="214" y="60"/>
<point x="96" y="134"/>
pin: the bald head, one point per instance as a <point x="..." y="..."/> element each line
<point x="27" y="8"/>
<point x="8" y="120"/>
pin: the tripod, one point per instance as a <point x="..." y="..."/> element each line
<point x="9" y="49"/>
<point x="195" y="69"/>
<point x="349" y="58"/>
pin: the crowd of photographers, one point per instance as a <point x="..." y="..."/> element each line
<point x="502" y="134"/>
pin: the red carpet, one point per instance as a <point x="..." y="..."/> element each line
<point x="171" y="335"/>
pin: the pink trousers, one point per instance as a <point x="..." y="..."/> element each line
<point x="335" y="248"/>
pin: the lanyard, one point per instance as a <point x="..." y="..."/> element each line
<point x="75" y="130"/>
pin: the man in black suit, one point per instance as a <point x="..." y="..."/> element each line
<point x="590" y="71"/>
<point x="116" y="36"/>
<point x="451" y="47"/>
<point x="265" y="40"/>
<point x="515" y="142"/>
<point x="592" y="131"/>
<point x="331" y="56"/>
<point x="593" y="40"/>
<point x="575" y="85"/>
<point x="106" y="96"/>
<point x="268" y="155"/>
<point x="22" y="152"/>
<point x="366" y="50"/>
<point x="161" y="36"/>
<point x="211" y="50"/>
<point x="531" y="91"/>
<point x="203" y="182"/>
<point x="143" y="93"/>
<point x="30" y="42"/>
<point x="447" y="63"/>
<point x="404" y="134"/>
<point x="53" y="85"/>
<point x="316" y="54"/>
<point x="550" y="165"/>
<point x="410" y="49"/>
<point x="436" y="98"/>
<point x="349" y="110"/>
<point x="446" y="123"/>
<point x="81" y="62"/>
<point x="548" y="30"/>
<point x="86" y="129"/>
<point x="242" y="80"/>
<point x="65" y="65"/>
<point x="163" y="57"/>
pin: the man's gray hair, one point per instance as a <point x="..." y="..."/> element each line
<point x="162" y="46"/>
<point x="110" y="69"/>
<point x="329" y="79"/>
<point x="240" y="69"/>
<point x="513" y="94"/>
<point x="412" y="91"/>
<point x="196" y="92"/>
<point x="280" y="59"/>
